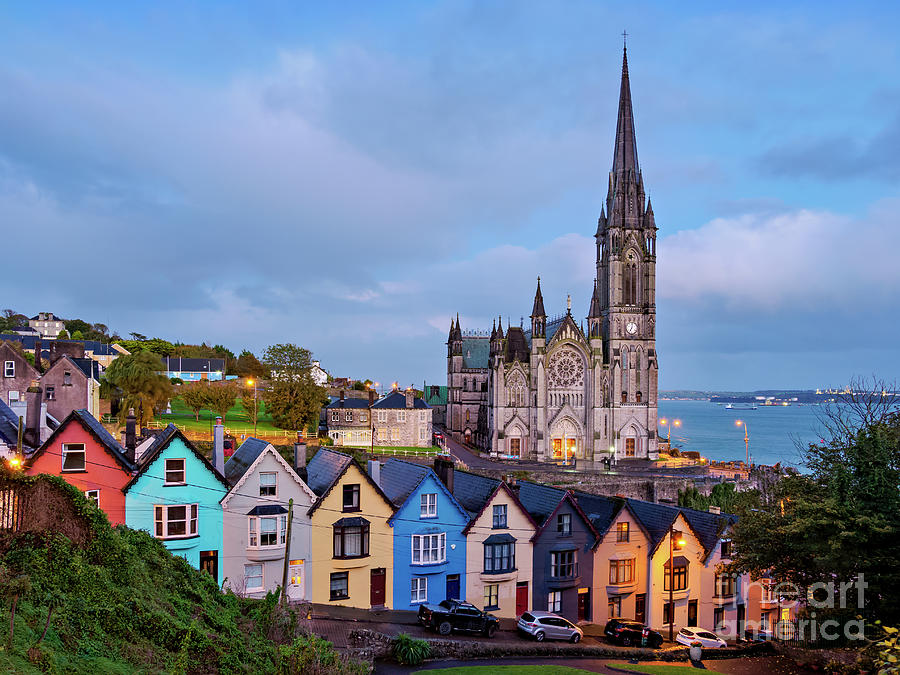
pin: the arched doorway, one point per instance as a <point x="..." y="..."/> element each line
<point x="565" y="441"/>
<point x="468" y="436"/>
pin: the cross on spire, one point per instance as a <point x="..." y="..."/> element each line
<point x="625" y="38"/>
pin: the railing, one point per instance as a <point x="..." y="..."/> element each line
<point x="285" y="435"/>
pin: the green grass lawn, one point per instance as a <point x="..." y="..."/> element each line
<point x="508" y="670"/>
<point x="658" y="668"/>
<point x="236" y="419"/>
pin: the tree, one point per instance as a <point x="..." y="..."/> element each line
<point x="11" y="319"/>
<point x="63" y="334"/>
<point x="247" y="365"/>
<point x="140" y="383"/>
<point x="293" y="400"/>
<point x="196" y="396"/>
<point x="250" y="403"/>
<point x="78" y="335"/>
<point x="155" y="345"/>
<point x="77" y="326"/>
<point x="221" y="397"/>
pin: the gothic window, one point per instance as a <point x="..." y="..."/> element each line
<point x="637" y="373"/>
<point x="566" y="369"/>
<point x="637" y="396"/>
<point x="624" y="375"/>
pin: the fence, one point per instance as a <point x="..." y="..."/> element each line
<point x="274" y="436"/>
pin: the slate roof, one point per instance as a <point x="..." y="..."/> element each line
<point x="97" y="430"/>
<point x="9" y="425"/>
<point x="656" y="518"/>
<point x="350" y="403"/>
<point x="397" y="399"/>
<point x="176" y="364"/>
<point x="28" y="342"/>
<point x="476" y="352"/>
<point x="399" y="479"/>
<point x="539" y="500"/>
<point x="243" y="458"/>
<point x="708" y="526"/>
<point x="553" y="326"/>
<point x="159" y="443"/>
<point x="324" y="468"/>
<point x="87" y="366"/>
<point x="517" y="348"/>
<point x="600" y="509"/>
<point x="472" y="490"/>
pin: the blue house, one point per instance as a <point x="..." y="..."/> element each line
<point x="175" y="496"/>
<point x="429" y="544"/>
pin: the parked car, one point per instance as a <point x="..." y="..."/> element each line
<point x="629" y="632"/>
<point x="541" y="625"/>
<point x="451" y="615"/>
<point x="706" y="638"/>
<point x="760" y="635"/>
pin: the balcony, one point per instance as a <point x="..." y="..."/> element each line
<point x="264" y="553"/>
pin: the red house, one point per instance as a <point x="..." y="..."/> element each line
<point x="84" y="454"/>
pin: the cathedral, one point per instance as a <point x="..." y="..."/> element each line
<point x="568" y="391"/>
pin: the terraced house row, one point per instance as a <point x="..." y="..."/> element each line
<point x="397" y="534"/>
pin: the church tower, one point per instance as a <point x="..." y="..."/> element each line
<point x="626" y="286"/>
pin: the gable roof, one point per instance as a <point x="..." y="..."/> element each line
<point x="348" y="402"/>
<point x="472" y="490"/>
<point x="9" y="426"/>
<point x="397" y="399"/>
<point x="35" y="375"/>
<point x="540" y="500"/>
<point x="249" y="469"/>
<point x="328" y="472"/>
<point x="404" y="478"/>
<point x="501" y="487"/>
<point x="567" y="496"/>
<point x="243" y="458"/>
<point x="161" y="442"/>
<point x="88" y="367"/>
<point x="90" y="424"/>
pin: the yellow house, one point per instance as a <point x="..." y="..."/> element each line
<point x="499" y="550"/>
<point x="352" y="543"/>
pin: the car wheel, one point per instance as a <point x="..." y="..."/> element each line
<point x="626" y="641"/>
<point x="490" y="630"/>
<point x="539" y="636"/>
<point x="575" y="639"/>
<point x="444" y="628"/>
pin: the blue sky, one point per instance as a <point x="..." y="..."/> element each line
<point x="347" y="176"/>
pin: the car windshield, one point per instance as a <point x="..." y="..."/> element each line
<point x="445" y="604"/>
<point x="707" y="636"/>
<point x="685" y="631"/>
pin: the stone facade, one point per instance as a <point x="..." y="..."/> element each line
<point x="558" y="391"/>
<point x="47" y="324"/>
<point x="399" y="419"/>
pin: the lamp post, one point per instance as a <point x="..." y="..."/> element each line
<point x="668" y="425"/>
<point x="672" y="543"/>
<point x="742" y="423"/>
<point x="255" y="405"/>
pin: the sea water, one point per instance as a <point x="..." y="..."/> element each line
<point x="775" y="431"/>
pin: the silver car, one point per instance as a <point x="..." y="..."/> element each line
<point x="549" y="626"/>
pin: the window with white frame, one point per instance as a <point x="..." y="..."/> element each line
<point x="382" y="415"/>
<point x="175" y="471"/>
<point x="268" y="484"/>
<point x="395" y="433"/>
<point x="51" y="393"/>
<point x="9" y="369"/>
<point x="253" y="577"/>
<point x="382" y="434"/>
<point x="401" y="416"/>
<point x="429" y="548"/>
<point x="422" y="416"/>
<point x="423" y="433"/>
<point x="175" y="521"/>
<point x="363" y="417"/>
<point x="267" y="531"/>
<point x="349" y="416"/>
<point x="554" y="601"/>
<point x="93" y="496"/>
<point x="73" y="458"/>
<point x="499" y="516"/>
<point x="428" y="505"/>
<point x="418" y="590"/>
<point x="335" y="416"/>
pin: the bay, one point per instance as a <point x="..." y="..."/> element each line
<point x="774" y="431"/>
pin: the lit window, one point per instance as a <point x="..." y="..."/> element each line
<point x="175" y="521"/>
<point x="622" y="532"/>
<point x="614" y="607"/>
<point x="253" y="577"/>
<point x="621" y="571"/>
<point x="268" y="484"/>
<point x="93" y="496"/>
<point x="395" y="433"/>
<point x="492" y="596"/>
<point x="429" y="548"/>
<point x="419" y="590"/>
<point x="724" y="585"/>
<point x="73" y="458"/>
<point x="175" y="472"/>
<point x="428" y="505"/>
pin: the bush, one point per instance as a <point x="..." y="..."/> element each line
<point x="410" y="651"/>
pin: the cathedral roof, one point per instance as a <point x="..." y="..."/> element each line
<point x="517" y="348"/>
<point x="476" y="352"/>
<point x="538" y="309"/>
<point x="625" y="156"/>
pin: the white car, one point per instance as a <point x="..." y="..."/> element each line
<point x="706" y="638"/>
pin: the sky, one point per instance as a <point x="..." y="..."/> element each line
<point x="348" y="176"/>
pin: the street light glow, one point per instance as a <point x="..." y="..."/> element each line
<point x="681" y="543"/>
<point x="664" y="421"/>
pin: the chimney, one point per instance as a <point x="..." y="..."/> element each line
<point x="342" y="398"/>
<point x="375" y="471"/>
<point x="52" y="356"/>
<point x="219" y="446"/>
<point x="371" y="397"/>
<point x="511" y="482"/>
<point x="410" y="397"/>
<point x="300" y="458"/>
<point x="37" y="355"/>
<point x="443" y="467"/>
<point x="130" y="436"/>
<point x="33" y="414"/>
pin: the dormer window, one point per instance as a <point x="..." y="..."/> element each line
<point x="175" y="472"/>
<point x="268" y="484"/>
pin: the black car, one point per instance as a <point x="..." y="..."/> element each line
<point x="451" y="615"/>
<point x="632" y="633"/>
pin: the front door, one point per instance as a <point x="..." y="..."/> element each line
<point x="453" y="587"/>
<point x="584" y="604"/>
<point x="640" y="608"/>
<point x="209" y="562"/>
<point x="376" y="588"/>
<point x="741" y="616"/>
<point x="521" y="597"/>
<point x="297" y="581"/>
<point x="692" y="613"/>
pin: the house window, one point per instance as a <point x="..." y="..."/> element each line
<point x="667" y="612"/>
<point x="67" y="379"/>
<point x="51" y="393"/>
<point x="175" y="472"/>
<point x="680" y="577"/>
<point x="614" y="607"/>
<point x="422" y="416"/>
<point x="339" y="586"/>
<point x="554" y="601"/>
<point x="564" y="524"/>
<point x="621" y="571"/>
<point x="423" y="433"/>
<point x="271" y="530"/>
<point x="335" y="416"/>
<point x="562" y="564"/>
<point x="401" y="416"/>
<point x="73" y="458"/>
<point x="428" y="505"/>
<point x="499" y="516"/>
<point x="724" y="585"/>
<point x="268" y="484"/>
<point x="351" y="497"/>
<point x="718" y="618"/>
<point x="492" y="596"/>
<point x="429" y="548"/>
<point x="395" y="433"/>
<point x="351" y="541"/>
<point x="93" y="496"/>
<point x="382" y="415"/>
<point x="9" y="369"/>
<point x="500" y="558"/>
<point x="418" y="590"/>
<point x="175" y="521"/>
<point x="382" y="434"/>
<point x="363" y="417"/>
<point x="726" y="548"/>
<point x="348" y="417"/>
<point x="253" y="577"/>
<point x="622" y="532"/>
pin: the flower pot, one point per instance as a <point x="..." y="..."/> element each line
<point x="696" y="651"/>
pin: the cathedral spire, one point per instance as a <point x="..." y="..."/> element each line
<point x="538" y="310"/>
<point x="625" y="155"/>
<point x="594" y="312"/>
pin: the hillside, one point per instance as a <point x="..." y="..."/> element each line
<point x="122" y="603"/>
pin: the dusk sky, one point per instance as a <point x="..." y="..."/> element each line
<point x="348" y="176"/>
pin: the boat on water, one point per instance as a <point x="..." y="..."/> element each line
<point x="739" y="406"/>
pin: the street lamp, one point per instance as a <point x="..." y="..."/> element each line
<point x="668" y="425"/>
<point x="672" y="543"/>
<point x="742" y="423"/>
<point x="252" y="383"/>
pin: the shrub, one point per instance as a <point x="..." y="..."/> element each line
<point x="410" y="651"/>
